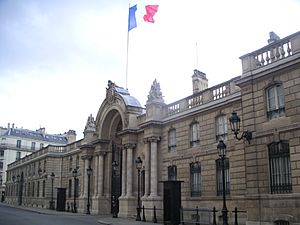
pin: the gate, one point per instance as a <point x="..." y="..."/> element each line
<point x="172" y="202"/>
<point x="61" y="199"/>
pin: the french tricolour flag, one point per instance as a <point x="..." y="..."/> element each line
<point x="148" y="12"/>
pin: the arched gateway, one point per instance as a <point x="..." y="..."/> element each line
<point x="109" y="149"/>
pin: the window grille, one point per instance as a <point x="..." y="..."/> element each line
<point x="280" y="167"/>
<point x="195" y="173"/>
<point x="220" y="178"/>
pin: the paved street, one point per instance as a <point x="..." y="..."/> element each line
<point x="12" y="215"/>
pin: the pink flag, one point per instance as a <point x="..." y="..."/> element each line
<point x="150" y="12"/>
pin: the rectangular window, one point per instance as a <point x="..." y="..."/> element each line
<point x="70" y="188"/>
<point x="172" y="140"/>
<point x="195" y="134"/>
<point x="276" y="104"/>
<point x="32" y="145"/>
<point x="38" y="189"/>
<point x="195" y="173"/>
<point x="70" y="164"/>
<point x="1" y="152"/>
<point x="45" y="163"/>
<point x="41" y="145"/>
<point x="18" y="143"/>
<point x="33" y="189"/>
<point x="18" y="155"/>
<point x="221" y="128"/>
<point x="77" y="162"/>
<point x="28" y="193"/>
<point x="77" y="187"/>
<point x="172" y="172"/>
<point x="220" y="176"/>
<point x="280" y="168"/>
<point x="44" y="186"/>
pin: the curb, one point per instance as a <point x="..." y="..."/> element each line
<point x="103" y="222"/>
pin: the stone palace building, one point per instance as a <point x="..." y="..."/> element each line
<point x="178" y="141"/>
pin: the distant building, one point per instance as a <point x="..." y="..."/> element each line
<point x="16" y="143"/>
<point x="178" y="141"/>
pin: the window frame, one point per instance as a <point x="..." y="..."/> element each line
<point x="278" y="110"/>
<point x="172" y="172"/>
<point x="172" y="140"/>
<point x="194" y="138"/>
<point x="219" y="178"/>
<point x="224" y="133"/>
<point x="280" y="168"/>
<point x="195" y="171"/>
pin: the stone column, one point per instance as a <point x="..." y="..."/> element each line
<point x="147" y="168"/>
<point x="83" y="175"/>
<point x="129" y="169"/>
<point x="86" y="166"/>
<point x="154" y="165"/>
<point x="100" y="174"/>
<point x="124" y="166"/>
<point x="96" y="176"/>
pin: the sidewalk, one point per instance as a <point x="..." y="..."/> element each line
<point x="101" y="219"/>
<point x="122" y="221"/>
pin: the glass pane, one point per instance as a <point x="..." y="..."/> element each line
<point x="271" y="98"/>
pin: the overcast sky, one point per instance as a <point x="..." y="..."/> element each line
<point x="56" y="56"/>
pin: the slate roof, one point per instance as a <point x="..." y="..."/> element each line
<point x="129" y="100"/>
<point x="35" y="135"/>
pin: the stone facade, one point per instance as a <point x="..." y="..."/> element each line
<point x="172" y="138"/>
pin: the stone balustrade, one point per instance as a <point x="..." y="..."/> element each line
<point x="273" y="52"/>
<point x="48" y="149"/>
<point x="208" y="95"/>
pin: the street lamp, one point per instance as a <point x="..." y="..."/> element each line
<point x="52" y="202"/>
<point x="138" y="163"/>
<point x="115" y="165"/>
<point x="89" y="172"/>
<point x="235" y="123"/>
<point x="75" y="192"/>
<point x="222" y="153"/>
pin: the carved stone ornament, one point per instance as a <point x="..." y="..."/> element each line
<point x="155" y="94"/>
<point x="110" y="92"/>
<point x="90" y="124"/>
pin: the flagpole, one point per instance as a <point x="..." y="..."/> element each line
<point x="127" y="58"/>
<point x="197" y="60"/>
<point x="127" y="50"/>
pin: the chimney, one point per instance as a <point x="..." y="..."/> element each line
<point x="200" y="82"/>
<point x="42" y="131"/>
<point x="71" y="136"/>
<point x="8" y="126"/>
<point x="13" y="126"/>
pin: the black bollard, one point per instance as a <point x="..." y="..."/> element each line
<point x="154" y="215"/>
<point x="214" y="216"/>
<point x="197" y="216"/>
